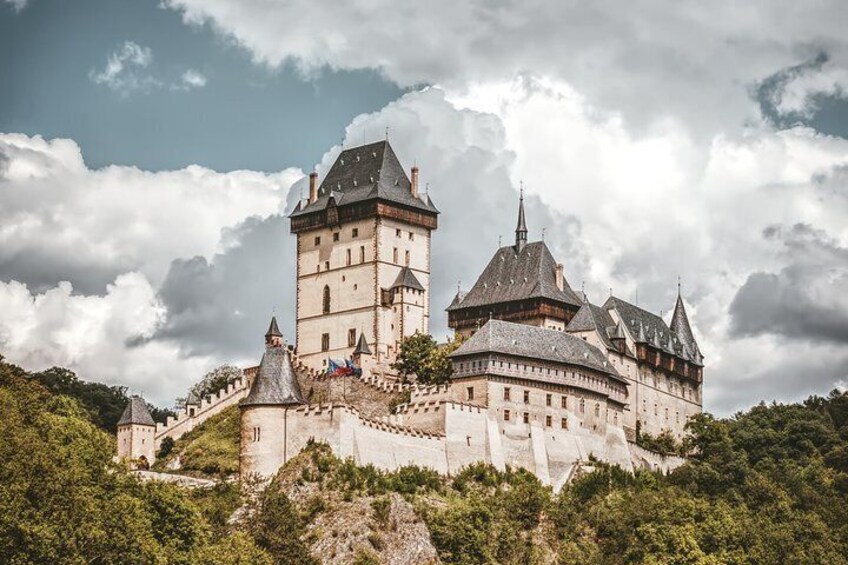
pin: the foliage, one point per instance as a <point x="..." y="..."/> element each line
<point x="422" y="357"/>
<point x="277" y="527"/>
<point x="165" y="447"/>
<point x="664" y="443"/>
<point x="62" y="500"/>
<point x="104" y="403"/>
<point x="210" y="449"/>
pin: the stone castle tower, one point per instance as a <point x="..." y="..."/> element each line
<point x="363" y="259"/>
<point x="136" y="433"/>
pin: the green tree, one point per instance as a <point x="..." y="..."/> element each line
<point x="420" y="356"/>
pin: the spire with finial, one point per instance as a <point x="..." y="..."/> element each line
<point x="521" y="229"/>
<point x="273" y="337"/>
<point x="680" y="323"/>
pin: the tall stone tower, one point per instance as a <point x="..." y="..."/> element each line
<point x="363" y="258"/>
<point x="136" y="431"/>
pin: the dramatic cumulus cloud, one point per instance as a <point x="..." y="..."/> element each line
<point x="647" y="59"/>
<point x="807" y="299"/>
<point x="83" y="253"/>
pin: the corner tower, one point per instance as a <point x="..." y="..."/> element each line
<point x="363" y="258"/>
<point x="136" y="431"/>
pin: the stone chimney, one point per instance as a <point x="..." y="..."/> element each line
<point x="313" y="187"/>
<point x="415" y="181"/>
<point x="560" y="279"/>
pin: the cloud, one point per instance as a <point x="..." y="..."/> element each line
<point x="89" y="333"/>
<point x="17" y="5"/>
<point x="807" y="299"/>
<point x="126" y="70"/>
<point x="191" y="79"/>
<point x="646" y="60"/>
<point x="60" y="220"/>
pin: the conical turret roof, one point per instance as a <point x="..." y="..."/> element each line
<point x="680" y="325"/>
<point x="362" y="346"/>
<point x="273" y="329"/>
<point x="275" y="383"/>
<point x="136" y="412"/>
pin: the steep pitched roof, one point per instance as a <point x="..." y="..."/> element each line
<point x="457" y="299"/>
<point x="408" y="279"/>
<point x="275" y="384"/>
<point x="362" y="346"/>
<point x="136" y="412"/>
<point x="593" y="318"/>
<point x="533" y="342"/>
<point x="680" y="326"/>
<point x="367" y="172"/>
<point x="518" y="275"/>
<point x="273" y="329"/>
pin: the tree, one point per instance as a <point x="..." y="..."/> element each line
<point x="217" y="379"/>
<point x="422" y="357"/>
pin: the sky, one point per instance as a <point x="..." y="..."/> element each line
<point x="150" y="152"/>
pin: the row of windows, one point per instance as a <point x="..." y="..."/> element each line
<point x="526" y="419"/>
<point x="355" y="233"/>
<point x="481" y="365"/>
<point x="507" y="396"/>
<point x="349" y="258"/>
<point x="351" y="339"/>
<point x="656" y="411"/>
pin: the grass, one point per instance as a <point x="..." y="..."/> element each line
<point x="210" y="449"/>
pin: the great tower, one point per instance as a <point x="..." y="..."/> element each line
<point x="363" y="258"/>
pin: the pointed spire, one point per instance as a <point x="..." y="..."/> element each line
<point x="680" y="324"/>
<point x="642" y="337"/>
<point x="275" y="383"/>
<point x="521" y="228"/>
<point x="273" y="329"/>
<point x="362" y="346"/>
<point x="619" y="332"/>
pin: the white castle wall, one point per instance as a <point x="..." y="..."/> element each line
<point x="642" y="458"/>
<point x="184" y="422"/>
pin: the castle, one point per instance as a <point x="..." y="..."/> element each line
<point x="544" y="379"/>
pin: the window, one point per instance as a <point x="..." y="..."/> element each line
<point x="257" y="434"/>
<point x="565" y="402"/>
<point x="317" y="241"/>
<point x="527" y="417"/>
<point x="362" y="254"/>
<point x="336" y="236"/>
<point x="469" y="393"/>
<point x="582" y="405"/>
<point x="326" y="308"/>
<point x="506" y="393"/>
<point x="355" y="232"/>
<point x="526" y="397"/>
<point x="615" y="418"/>
<point x="191" y="412"/>
<point x="397" y="233"/>
<point x="564" y="423"/>
<point x="597" y="409"/>
<point x="326" y="265"/>
<point x="655" y="410"/>
<point x="548" y="421"/>
<point x="394" y="255"/>
<point x="548" y="398"/>
<point x="351" y="337"/>
<point x="406" y="257"/>
<point x="347" y="257"/>
<point x="506" y="415"/>
<point x="325" y="342"/>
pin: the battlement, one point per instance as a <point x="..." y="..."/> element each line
<point x="193" y="415"/>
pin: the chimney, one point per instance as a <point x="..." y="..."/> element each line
<point x="313" y="187"/>
<point x="415" y="181"/>
<point x="560" y="279"/>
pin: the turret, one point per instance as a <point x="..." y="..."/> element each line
<point x="264" y="411"/>
<point x="136" y="434"/>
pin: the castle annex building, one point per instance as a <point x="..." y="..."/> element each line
<point x="544" y="379"/>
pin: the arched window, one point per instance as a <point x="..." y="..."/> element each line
<point x="326" y="299"/>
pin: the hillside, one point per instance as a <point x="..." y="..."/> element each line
<point x="209" y="450"/>
<point x="769" y="485"/>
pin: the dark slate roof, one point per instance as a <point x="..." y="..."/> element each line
<point x="192" y="399"/>
<point x="136" y="412"/>
<point x="362" y="346"/>
<point x="593" y="318"/>
<point x="273" y="329"/>
<point x="533" y="342"/>
<point x="408" y="279"/>
<point x="646" y="326"/>
<point x="457" y="299"/>
<point x="518" y="275"/>
<point x="367" y="172"/>
<point x="275" y="384"/>
<point x="680" y="326"/>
